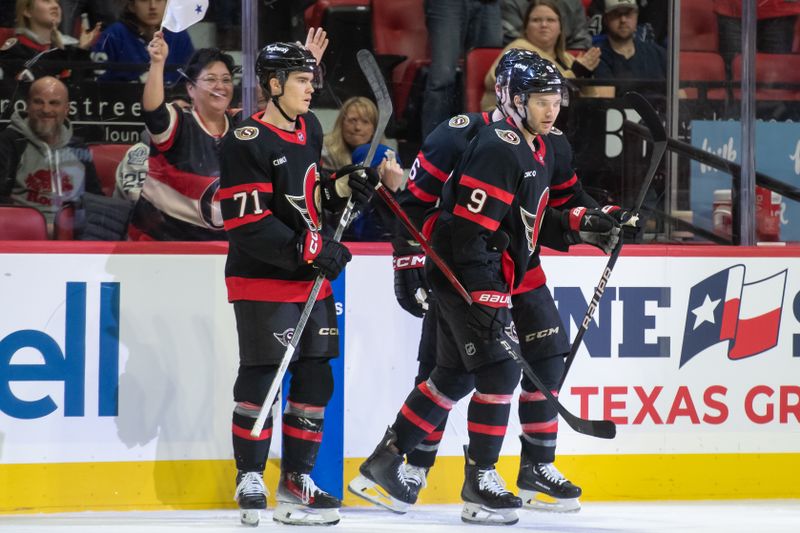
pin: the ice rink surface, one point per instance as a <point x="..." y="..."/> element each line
<point x="651" y="517"/>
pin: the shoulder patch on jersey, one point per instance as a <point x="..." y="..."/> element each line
<point x="556" y="131"/>
<point x="11" y="41"/>
<point x="246" y="133"/>
<point x="508" y="136"/>
<point x="459" y="121"/>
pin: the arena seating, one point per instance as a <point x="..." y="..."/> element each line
<point x="772" y="68"/>
<point x="699" y="30"/>
<point x="64" y="228"/>
<point x="476" y="65"/>
<point x="21" y="223"/>
<point x="106" y="158"/>
<point x="702" y="67"/>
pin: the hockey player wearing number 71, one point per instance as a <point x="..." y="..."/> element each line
<point x="272" y="197"/>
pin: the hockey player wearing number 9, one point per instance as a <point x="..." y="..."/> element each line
<point x="272" y="199"/>
<point x="533" y="307"/>
<point x="500" y="185"/>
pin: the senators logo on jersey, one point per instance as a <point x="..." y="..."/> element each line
<point x="533" y="222"/>
<point x="307" y="204"/>
<point x="508" y="136"/>
<point x="246" y="133"/>
<point x="459" y="121"/>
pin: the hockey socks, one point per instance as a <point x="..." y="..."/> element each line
<point x="539" y="422"/>
<point x="487" y="421"/>
<point x="302" y="436"/>
<point x="250" y="452"/>
<point x="424" y="455"/>
<point x="423" y="411"/>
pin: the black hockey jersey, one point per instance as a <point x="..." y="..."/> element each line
<point x="269" y="199"/>
<point x="500" y="184"/>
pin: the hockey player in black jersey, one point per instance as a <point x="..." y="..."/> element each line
<point x="500" y="185"/>
<point x="271" y="200"/>
<point x="533" y="307"/>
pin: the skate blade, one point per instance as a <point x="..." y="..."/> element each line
<point x="250" y="517"/>
<point x="538" y="501"/>
<point x="475" y="513"/>
<point x="373" y="493"/>
<point x="298" y="515"/>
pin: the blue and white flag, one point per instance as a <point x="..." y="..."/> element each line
<point x="180" y="14"/>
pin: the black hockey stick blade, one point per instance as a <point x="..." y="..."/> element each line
<point x="653" y="123"/>
<point x="382" y="99"/>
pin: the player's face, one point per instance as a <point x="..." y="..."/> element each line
<point x="621" y="23"/>
<point x="44" y="13"/>
<point x="148" y="12"/>
<point x="297" y="93"/>
<point x="542" y="112"/>
<point x="356" y="128"/>
<point x="213" y="89"/>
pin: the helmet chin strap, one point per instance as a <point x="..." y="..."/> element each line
<point x="524" y="116"/>
<point x="274" y="98"/>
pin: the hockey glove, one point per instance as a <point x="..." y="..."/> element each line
<point x="410" y="286"/>
<point x="353" y="180"/>
<point x="628" y="221"/>
<point x="329" y="257"/>
<point x="591" y="226"/>
<point x="486" y="315"/>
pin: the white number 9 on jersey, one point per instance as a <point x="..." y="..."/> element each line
<point x="477" y="200"/>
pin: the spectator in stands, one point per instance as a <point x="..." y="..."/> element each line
<point x="624" y="57"/>
<point x="454" y="26"/>
<point x="37" y="36"/>
<point x="353" y="127"/>
<point x="574" y="24"/>
<point x="347" y="143"/>
<point x="7" y="14"/>
<point x="542" y="34"/>
<point x="775" y="26"/>
<point x="653" y="20"/>
<point x="126" y="41"/>
<point x="177" y="200"/>
<point x="42" y="164"/>
<point x="103" y="12"/>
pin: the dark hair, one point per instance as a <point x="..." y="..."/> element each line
<point x="203" y="57"/>
<point x="560" y="47"/>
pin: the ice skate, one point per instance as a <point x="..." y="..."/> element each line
<point x="486" y="500"/>
<point x="543" y="488"/>
<point x="251" y="495"/>
<point x="417" y="475"/>
<point x="383" y="479"/>
<point x="301" y="502"/>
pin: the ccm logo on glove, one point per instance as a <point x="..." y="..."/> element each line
<point x="491" y="298"/>
<point x="408" y="261"/>
<point x="312" y="247"/>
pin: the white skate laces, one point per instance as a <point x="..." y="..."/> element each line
<point x="491" y="481"/>
<point x="251" y="483"/>
<point x="551" y="473"/>
<point x="309" y="487"/>
<point x="417" y="475"/>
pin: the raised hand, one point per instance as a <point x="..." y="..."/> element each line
<point x="317" y="42"/>
<point x="157" y="48"/>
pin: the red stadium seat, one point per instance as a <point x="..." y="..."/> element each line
<point x="20" y="223"/>
<point x="315" y="12"/>
<point x="398" y="30"/>
<point x="772" y="68"/>
<point x="106" y="158"/>
<point x="477" y="63"/>
<point x="64" y="227"/>
<point x="703" y="66"/>
<point x="699" y="30"/>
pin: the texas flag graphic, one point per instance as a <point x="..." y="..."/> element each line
<point x="723" y="307"/>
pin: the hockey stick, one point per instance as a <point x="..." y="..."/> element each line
<point x="369" y="67"/>
<point x="604" y="429"/>
<point x="653" y="123"/>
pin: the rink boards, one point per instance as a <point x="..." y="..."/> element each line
<point x="117" y="362"/>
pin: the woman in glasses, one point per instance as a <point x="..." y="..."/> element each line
<point x="126" y="41"/>
<point x="177" y="200"/>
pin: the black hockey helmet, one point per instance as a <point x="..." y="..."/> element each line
<point x="507" y="61"/>
<point x="536" y="75"/>
<point x="279" y="59"/>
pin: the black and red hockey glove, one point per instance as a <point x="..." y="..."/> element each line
<point x="489" y="315"/>
<point x="591" y="226"/>
<point x="351" y="180"/>
<point x="329" y="257"/>
<point x="410" y="286"/>
<point x="628" y="221"/>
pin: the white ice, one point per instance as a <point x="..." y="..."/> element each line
<point x="772" y="516"/>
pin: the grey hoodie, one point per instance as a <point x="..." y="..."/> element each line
<point x="39" y="175"/>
